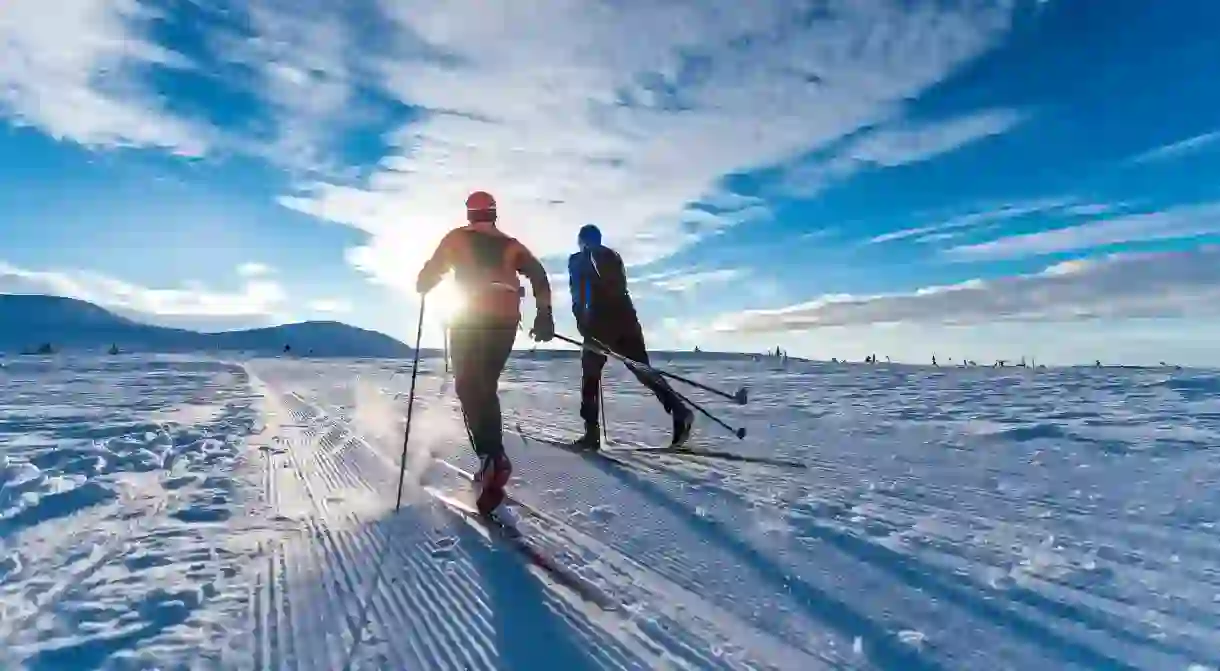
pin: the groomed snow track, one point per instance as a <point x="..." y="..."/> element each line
<point x="361" y="586"/>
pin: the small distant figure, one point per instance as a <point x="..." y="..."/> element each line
<point x="934" y="361"/>
<point x="114" y="349"/>
<point x="1097" y="363"/>
<point x="287" y="349"/>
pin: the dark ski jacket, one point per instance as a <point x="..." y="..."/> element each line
<point x="600" y="300"/>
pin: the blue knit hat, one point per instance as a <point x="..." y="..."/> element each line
<point x="589" y="236"/>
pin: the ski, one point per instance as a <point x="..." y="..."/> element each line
<point x="569" y="446"/>
<point x="715" y="454"/>
<point x="495" y="526"/>
<point x="612" y="454"/>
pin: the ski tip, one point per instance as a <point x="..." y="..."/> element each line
<point x="741" y="433"/>
<point x="741" y="396"/>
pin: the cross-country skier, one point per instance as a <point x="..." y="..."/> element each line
<point x="606" y="317"/>
<point x="486" y="262"/>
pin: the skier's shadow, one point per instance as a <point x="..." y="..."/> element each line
<point x="884" y="649"/>
<point x="532" y="628"/>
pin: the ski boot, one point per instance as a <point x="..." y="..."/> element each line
<point x="683" y="420"/>
<point x="591" y="440"/>
<point x="490" y="481"/>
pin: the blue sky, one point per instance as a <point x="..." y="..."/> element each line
<point x="970" y="179"/>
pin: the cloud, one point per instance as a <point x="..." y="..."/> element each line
<point x="957" y="225"/>
<point x="255" y="304"/>
<point x="901" y="143"/>
<point x="637" y="109"/>
<point x="1186" y="221"/>
<point x="330" y="305"/>
<point x="1130" y="286"/>
<point x="303" y="55"/>
<point x="72" y="70"/>
<point x="686" y="279"/>
<point x="1182" y="148"/>
<point x="254" y="269"/>
<point x="632" y="110"/>
<point x="918" y="142"/>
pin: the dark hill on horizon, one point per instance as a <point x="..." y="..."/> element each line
<point x="29" y="321"/>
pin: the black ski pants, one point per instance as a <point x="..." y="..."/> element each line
<point x="479" y="354"/>
<point x="628" y="342"/>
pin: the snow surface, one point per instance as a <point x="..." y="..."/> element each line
<point x="173" y="513"/>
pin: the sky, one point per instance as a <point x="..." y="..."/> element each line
<point x="905" y="178"/>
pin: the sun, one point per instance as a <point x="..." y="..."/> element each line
<point x="445" y="302"/>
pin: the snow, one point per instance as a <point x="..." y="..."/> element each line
<point x="174" y="513"/>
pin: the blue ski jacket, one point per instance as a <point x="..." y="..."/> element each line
<point x="597" y="281"/>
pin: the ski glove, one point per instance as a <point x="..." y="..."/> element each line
<point x="544" y="325"/>
<point x="424" y="283"/>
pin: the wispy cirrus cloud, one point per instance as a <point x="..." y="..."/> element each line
<point x="257" y="303"/>
<point x="634" y="108"/>
<point x="1162" y="285"/>
<point x="306" y="61"/>
<point x="900" y="143"/>
<point x="686" y="279"/>
<point x="74" y="70"/>
<point x="1186" y="221"/>
<point x="638" y="109"/>
<point x="954" y="225"/>
<point x="1185" y="147"/>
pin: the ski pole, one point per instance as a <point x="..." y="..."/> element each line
<point x="740" y="432"/>
<point x="445" y="335"/>
<point x="601" y="404"/>
<point x="740" y="397"/>
<point x="406" y="436"/>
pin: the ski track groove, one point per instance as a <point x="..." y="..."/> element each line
<point x="285" y="577"/>
<point x="973" y="527"/>
<point x="442" y="632"/>
<point x="274" y="588"/>
<point x="474" y="607"/>
<point x="337" y="548"/>
<point x="325" y="415"/>
<point x="348" y="558"/>
<point x="884" y="530"/>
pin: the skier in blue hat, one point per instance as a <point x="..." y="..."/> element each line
<point x="606" y="318"/>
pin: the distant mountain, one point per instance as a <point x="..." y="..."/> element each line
<point x="30" y="321"/>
